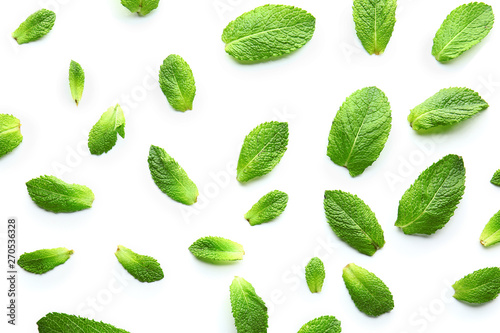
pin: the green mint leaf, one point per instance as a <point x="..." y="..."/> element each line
<point x="353" y="221"/>
<point x="54" y="195"/>
<point x="431" y="201"/>
<point x="491" y="232"/>
<point x="447" y="107"/>
<point x="495" y="180"/>
<point x="143" y="268"/>
<point x="76" y="81"/>
<point x="10" y="133"/>
<point x="141" y="7"/>
<point x="267" y="32"/>
<point x="103" y="136"/>
<point x="269" y="207"/>
<point x="42" y="261"/>
<point x="262" y="150"/>
<point x="35" y="27"/>
<point x="217" y="250"/>
<point x="55" y="322"/>
<point x="249" y="310"/>
<point x="177" y="83"/>
<point x="170" y="177"/>
<point x="478" y="287"/>
<point x="360" y="130"/>
<point x="315" y="275"/>
<point x="464" y="27"/>
<point x="370" y="294"/>
<point x="324" y="324"/>
<point x="374" y="20"/>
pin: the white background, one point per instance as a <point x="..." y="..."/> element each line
<point x="121" y="55"/>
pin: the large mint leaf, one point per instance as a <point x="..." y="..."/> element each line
<point x="143" y="268"/>
<point x="10" y="133"/>
<point x="103" y="136"/>
<point x="360" y="130"/>
<point x="64" y="323"/>
<point x="177" y="83"/>
<point x="249" y="310"/>
<point x="466" y="26"/>
<point x="42" y="261"/>
<point x="431" y="201"/>
<point x="447" y="107"/>
<point x="374" y="21"/>
<point x="478" y="287"/>
<point x="324" y="324"/>
<point x="353" y="221"/>
<point x="35" y="27"/>
<point x="262" y="150"/>
<point x="217" y="250"/>
<point x="491" y="232"/>
<point x="268" y="31"/>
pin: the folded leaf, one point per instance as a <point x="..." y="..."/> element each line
<point x="64" y="323"/>
<point x="103" y="136"/>
<point x="76" y="81"/>
<point x="177" y="83"/>
<point x="267" y="208"/>
<point x="447" y="107"/>
<point x="466" y="26"/>
<point x="325" y="324"/>
<point x="262" y="150"/>
<point x="491" y="232"/>
<point x="143" y="268"/>
<point x="495" y="180"/>
<point x="249" y="310"/>
<point x="479" y="287"/>
<point x="370" y="294"/>
<point x="217" y="250"/>
<point x="268" y="31"/>
<point x="54" y="195"/>
<point x="35" y="27"/>
<point x="10" y="133"/>
<point x="353" y="222"/>
<point x="315" y="275"/>
<point x="170" y="178"/>
<point x="374" y="21"/>
<point x="360" y="130"/>
<point x="431" y="201"/>
<point x="141" y="7"/>
<point x="42" y="261"/>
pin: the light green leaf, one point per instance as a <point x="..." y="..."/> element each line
<point x="431" y="201"/>
<point x="76" y="81"/>
<point x="491" y="232"/>
<point x="64" y="323"/>
<point x="360" y="130"/>
<point x="353" y="222"/>
<point x="217" y="250"/>
<point x="268" y="31"/>
<point x="170" y="177"/>
<point x="315" y="275"/>
<point x="479" y="287"/>
<point x="141" y="7"/>
<point x="374" y="21"/>
<point x="324" y="324"/>
<point x="177" y="83"/>
<point x="249" y="310"/>
<point x="370" y="294"/>
<point x="466" y="26"/>
<point x="35" y="27"/>
<point x="42" y="261"/>
<point x="262" y="150"/>
<point x="495" y="180"/>
<point x="269" y="207"/>
<point x="447" y="107"/>
<point x="143" y="268"/>
<point x="103" y="136"/>
<point x="10" y="133"/>
<point x="54" y="195"/>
